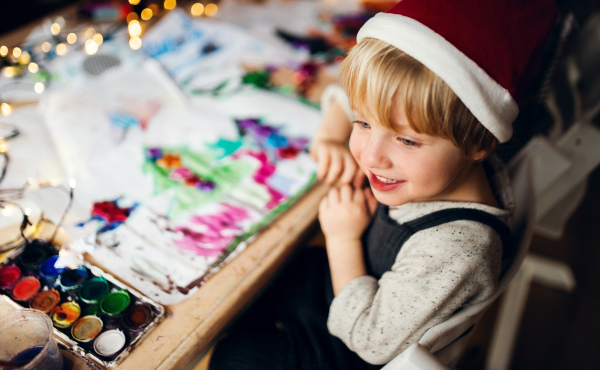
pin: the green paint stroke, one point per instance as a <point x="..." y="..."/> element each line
<point x="225" y="173"/>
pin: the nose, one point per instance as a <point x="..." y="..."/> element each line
<point x="374" y="153"/>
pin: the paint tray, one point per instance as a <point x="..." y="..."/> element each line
<point x="128" y="325"/>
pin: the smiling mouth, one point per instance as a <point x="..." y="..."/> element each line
<point x="381" y="183"/>
<point x="385" y="180"/>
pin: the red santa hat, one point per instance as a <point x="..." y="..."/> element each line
<point x="485" y="50"/>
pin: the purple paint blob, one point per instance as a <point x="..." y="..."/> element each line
<point x="153" y="153"/>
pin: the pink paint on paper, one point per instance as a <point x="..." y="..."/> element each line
<point x="218" y="231"/>
<point x="266" y="170"/>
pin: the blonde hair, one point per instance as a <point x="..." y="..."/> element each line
<point x="375" y="74"/>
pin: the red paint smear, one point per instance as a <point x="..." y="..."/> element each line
<point x="110" y="212"/>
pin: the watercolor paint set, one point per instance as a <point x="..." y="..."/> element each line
<point x="93" y="314"/>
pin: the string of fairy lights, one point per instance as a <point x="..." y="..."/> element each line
<point x="28" y="60"/>
<point x="23" y="66"/>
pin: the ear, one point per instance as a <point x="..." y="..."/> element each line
<point x="479" y="156"/>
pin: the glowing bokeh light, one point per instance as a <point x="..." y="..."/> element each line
<point x="91" y="47"/>
<point x="46" y="47"/>
<point x="135" y="29"/>
<point x="17" y="52"/>
<point x="9" y="71"/>
<point x="134" y="2"/>
<point x="55" y="29"/>
<point x="61" y="49"/>
<point x="39" y="87"/>
<point x="33" y="67"/>
<point x="170" y="4"/>
<point x="146" y="14"/>
<point x="71" y="38"/>
<point x="98" y="39"/>
<point x="135" y="43"/>
<point x="3" y="51"/>
<point x="5" y="109"/>
<point x="132" y="17"/>
<point x="197" y="9"/>
<point x="25" y="58"/>
<point x="89" y="33"/>
<point x="211" y="9"/>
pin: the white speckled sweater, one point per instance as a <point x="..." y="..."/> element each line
<point x="437" y="271"/>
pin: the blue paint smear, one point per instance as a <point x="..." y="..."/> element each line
<point x="173" y="43"/>
<point x="123" y="120"/>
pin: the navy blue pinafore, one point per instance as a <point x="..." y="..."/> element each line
<point x="287" y="328"/>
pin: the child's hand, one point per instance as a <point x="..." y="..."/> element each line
<point x="335" y="163"/>
<point x="346" y="212"/>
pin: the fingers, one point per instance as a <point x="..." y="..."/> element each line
<point x="346" y="193"/>
<point x="359" y="179"/>
<point x="334" y="196"/>
<point x="336" y="166"/>
<point x="334" y="163"/>
<point x="341" y="194"/>
<point x="350" y="168"/>
<point x="313" y="154"/>
<point x="322" y="160"/>
<point x="358" y="196"/>
<point x="370" y="200"/>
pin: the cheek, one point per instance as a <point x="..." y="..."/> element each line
<point x="441" y="171"/>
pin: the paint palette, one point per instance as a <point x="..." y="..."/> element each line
<point x="94" y="315"/>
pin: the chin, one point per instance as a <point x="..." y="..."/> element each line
<point x="388" y="199"/>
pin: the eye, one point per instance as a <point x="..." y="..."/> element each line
<point x="408" y="142"/>
<point x="363" y="124"/>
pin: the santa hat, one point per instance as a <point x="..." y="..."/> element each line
<point x="485" y="50"/>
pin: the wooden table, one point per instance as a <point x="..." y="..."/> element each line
<point x="191" y="326"/>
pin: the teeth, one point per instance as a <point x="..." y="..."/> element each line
<point x="387" y="181"/>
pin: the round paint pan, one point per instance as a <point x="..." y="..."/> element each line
<point x="109" y="343"/>
<point x="9" y="276"/>
<point x="86" y="328"/>
<point x="45" y="301"/>
<point x="114" y="303"/>
<point x="25" y="288"/>
<point x="92" y="290"/>
<point x="65" y="314"/>
<point x="48" y="271"/>
<point x="34" y="254"/>
<point x="71" y="279"/>
<point x="137" y="317"/>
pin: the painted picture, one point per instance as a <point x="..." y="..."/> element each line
<point x="165" y="201"/>
<point x="205" y="55"/>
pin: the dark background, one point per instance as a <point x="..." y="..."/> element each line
<point x="16" y="13"/>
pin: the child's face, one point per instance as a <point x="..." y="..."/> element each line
<point x="404" y="166"/>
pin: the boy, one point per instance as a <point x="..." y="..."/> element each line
<point x="432" y="86"/>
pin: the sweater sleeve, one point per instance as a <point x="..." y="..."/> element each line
<point x="437" y="271"/>
<point x="335" y="92"/>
